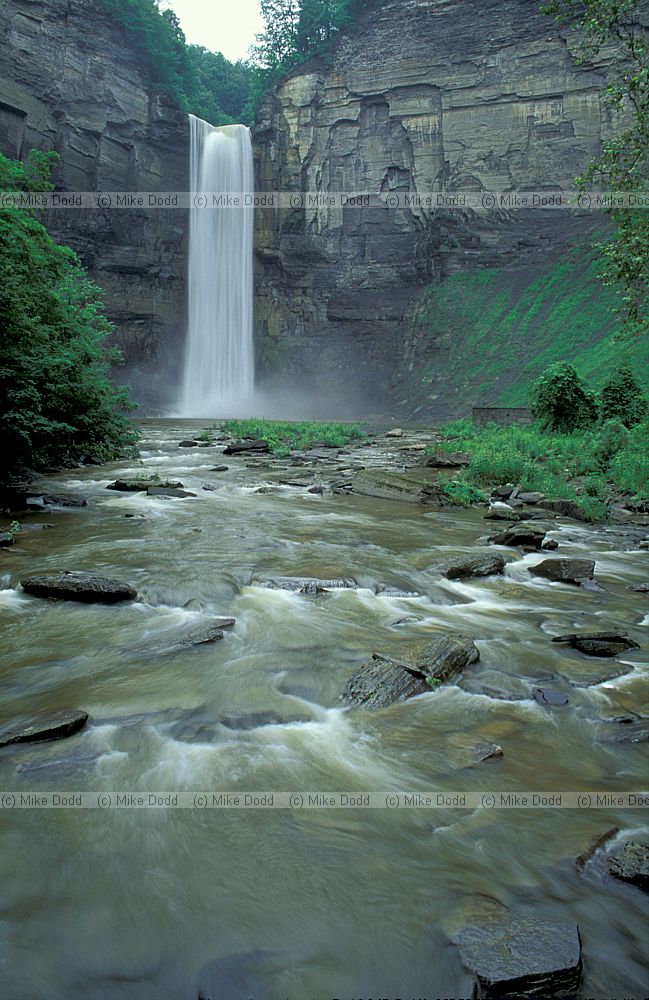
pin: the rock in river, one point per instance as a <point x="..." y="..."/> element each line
<point x="526" y="536"/>
<point x="522" y="956"/>
<point x="484" y="564"/>
<point x="242" y="446"/>
<point x="599" y="643"/>
<point x="631" y="864"/>
<point x="565" y="570"/>
<point x="162" y="491"/>
<point x="142" y="485"/>
<point x="396" y="486"/>
<point x="79" y="587"/>
<point x="52" y="725"/>
<point x="383" y="680"/>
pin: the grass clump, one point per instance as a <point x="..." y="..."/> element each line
<point x="284" y="437"/>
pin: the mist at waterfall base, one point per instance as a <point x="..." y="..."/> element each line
<point x="218" y="378"/>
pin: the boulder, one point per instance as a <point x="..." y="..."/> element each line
<point x="142" y="485"/>
<point x="307" y="585"/>
<point x="188" y="444"/>
<point x="525" y="536"/>
<point x="384" y="680"/>
<point x="487" y="751"/>
<point x="79" y="587"/>
<point x="631" y="864"/>
<point x="598" y="643"/>
<point x="219" y="468"/>
<point x="640" y="588"/>
<point x="211" y="632"/>
<point x="484" y="564"/>
<point x="59" y="500"/>
<point x="447" y="460"/>
<point x="565" y="570"/>
<point x="243" y="446"/>
<point x="209" y="487"/>
<point x="48" y="725"/>
<point x="504" y="492"/>
<point x="501" y="512"/>
<point x="163" y="491"/>
<point x="398" y="486"/>
<point x="6" y="539"/>
<point x="531" y="497"/>
<point x="521" y="956"/>
<point x="550" y="545"/>
<point x="547" y="697"/>
<point x="396" y="432"/>
<point x="566" y="508"/>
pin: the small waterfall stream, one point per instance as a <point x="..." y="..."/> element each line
<point x="219" y="359"/>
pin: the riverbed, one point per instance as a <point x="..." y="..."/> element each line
<point x="303" y="902"/>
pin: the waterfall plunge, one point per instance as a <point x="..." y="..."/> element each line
<point x="219" y="360"/>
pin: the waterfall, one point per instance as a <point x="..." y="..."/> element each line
<point x="219" y="360"/>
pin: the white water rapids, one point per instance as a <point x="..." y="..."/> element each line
<point x="218" y="375"/>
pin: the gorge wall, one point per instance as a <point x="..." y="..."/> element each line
<point x="423" y="96"/>
<point x="70" y="81"/>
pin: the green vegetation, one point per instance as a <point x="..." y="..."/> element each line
<point x="57" y="403"/>
<point x="623" y="165"/>
<point x="622" y="398"/>
<point x="482" y="337"/>
<point x="285" y="437"/>
<point x="585" y="466"/>
<point x="462" y="493"/>
<point x="198" y="81"/>
<point x="299" y="30"/>
<point x="561" y="401"/>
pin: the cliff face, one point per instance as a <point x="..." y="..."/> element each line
<point x="69" y="81"/>
<point x="424" y="96"/>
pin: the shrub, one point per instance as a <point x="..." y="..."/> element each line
<point x="622" y="399"/>
<point x="612" y="438"/>
<point x="561" y="401"/>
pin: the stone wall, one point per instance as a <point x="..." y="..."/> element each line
<point x="70" y="81"/>
<point x="423" y="96"/>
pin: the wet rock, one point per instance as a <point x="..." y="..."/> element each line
<point x="631" y="864"/>
<point x="211" y="632"/>
<point x="522" y="956"/>
<point x="6" y="539"/>
<point x="640" y="588"/>
<point x="582" y="859"/>
<point x="384" y="680"/>
<point x="487" y="751"/>
<point x="219" y="468"/>
<point x="317" y="490"/>
<point x="550" y="544"/>
<point x="624" y="729"/>
<point x="592" y="585"/>
<point x="398" y="486"/>
<point x="565" y="570"/>
<point x="307" y="585"/>
<point x="238" y="447"/>
<point x="504" y="492"/>
<point x="306" y="480"/>
<point x="566" y="508"/>
<point x="209" y="487"/>
<point x="447" y="460"/>
<point x="531" y="497"/>
<point x="589" y="674"/>
<point x="478" y="565"/>
<point x="598" y="643"/>
<point x="235" y="977"/>
<point x="388" y="590"/>
<point x="54" y="725"/>
<point x="501" y="512"/>
<point x="545" y="696"/>
<point x="188" y="444"/>
<point x="396" y="432"/>
<point x="161" y="491"/>
<point x="522" y="535"/>
<point x="59" y="500"/>
<point x="142" y="485"/>
<point x="79" y="587"/>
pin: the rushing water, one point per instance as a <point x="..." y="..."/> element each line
<point x="325" y="903"/>
<point x="219" y="362"/>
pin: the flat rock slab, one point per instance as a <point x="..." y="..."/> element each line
<point x="522" y="956"/>
<point x="162" y="491"/>
<point x="383" y="680"/>
<point x="631" y="864"/>
<point x="211" y="632"/>
<point x="626" y="729"/>
<point x="479" y="565"/>
<point x="56" y="501"/>
<point x="598" y="643"/>
<point x="397" y="486"/>
<point x="447" y="460"/>
<point x="565" y="570"/>
<point x="242" y="446"/>
<point x="79" y="587"/>
<point x="526" y="536"/>
<point x="547" y="697"/>
<point x="141" y="485"/>
<point x="53" y="725"/>
<point x="307" y="585"/>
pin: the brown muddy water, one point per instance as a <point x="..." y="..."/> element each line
<point x="130" y="903"/>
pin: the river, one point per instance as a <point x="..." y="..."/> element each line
<point x="131" y="903"/>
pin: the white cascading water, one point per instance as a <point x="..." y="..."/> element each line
<point x="219" y="360"/>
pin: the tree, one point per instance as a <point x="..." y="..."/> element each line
<point x="57" y="402"/>
<point x="561" y="401"/>
<point x="623" y="165"/>
<point x="622" y="399"/>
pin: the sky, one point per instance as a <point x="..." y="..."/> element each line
<point x="227" y="26"/>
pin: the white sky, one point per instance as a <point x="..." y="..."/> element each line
<point x="227" y="26"/>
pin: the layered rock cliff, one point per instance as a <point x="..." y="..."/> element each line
<point x="423" y="96"/>
<point x="70" y="81"/>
